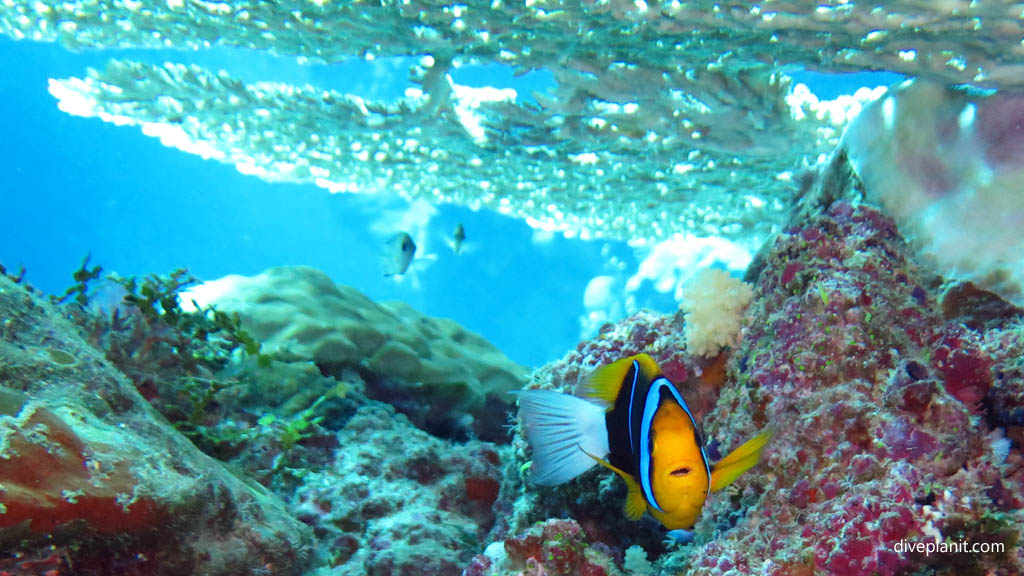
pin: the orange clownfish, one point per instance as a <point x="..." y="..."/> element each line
<point x="634" y="422"/>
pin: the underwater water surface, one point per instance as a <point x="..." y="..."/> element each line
<point x="488" y="289"/>
<point x="82" y="187"/>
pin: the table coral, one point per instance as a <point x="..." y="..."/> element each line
<point x="664" y="118"/>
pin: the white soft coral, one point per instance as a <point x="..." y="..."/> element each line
<point x="713" y="302"/>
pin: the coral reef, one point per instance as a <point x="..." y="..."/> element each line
<point x="897" y="426"/>
<point x="897" y="398"/>
<point x="92" y="481"/>
<point x="878" y="402"/>
<point x="92" y="478"/>
<point x="713" y="302"/>
<point x="396" y="500"/>
<point x="446" y="379"/>
<point x="552" y="548"/>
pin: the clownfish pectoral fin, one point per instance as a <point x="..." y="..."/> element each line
<point x="563" y="431"/>
<point x="606" y="382"/>
<point x="728" y="469"/>
<point x="635" y="503"/>
<point x="678" y="536"/>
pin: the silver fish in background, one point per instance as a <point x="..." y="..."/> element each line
<point x="398" y="254"/>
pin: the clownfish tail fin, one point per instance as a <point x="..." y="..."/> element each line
<point x="563" y="431"/>
<point x="728" y="469"/>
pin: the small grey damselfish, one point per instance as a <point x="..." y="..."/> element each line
<point x="398" y="254"/>
<point x="458" y="238"/>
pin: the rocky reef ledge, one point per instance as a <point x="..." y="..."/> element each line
<point x="898" y="403"/>
<point x="345" y="434"/>
<point x="94" y="481"/>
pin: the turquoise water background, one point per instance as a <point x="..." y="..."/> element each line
<point x="73" y="186"/>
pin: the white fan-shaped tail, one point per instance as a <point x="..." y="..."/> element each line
<point x="559" y="428"/>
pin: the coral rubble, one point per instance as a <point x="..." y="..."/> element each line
<point x="555" y="548"/>
<point x="396" y="500"/>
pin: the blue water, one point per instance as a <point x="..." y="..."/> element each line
<point x="74" y="186"/>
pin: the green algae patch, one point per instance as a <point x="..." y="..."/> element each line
<point x="11" y="401"/>
<point x="61" y="357"/>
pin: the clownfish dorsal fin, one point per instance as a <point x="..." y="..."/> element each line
<point x="605" y="383"/>
<point x="648" y="366"/>
<point x="635" y="503"/>
<point x="728" y="469"/>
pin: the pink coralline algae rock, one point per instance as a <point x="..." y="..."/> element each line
<point x="93" y="481"/>
<point x="891" y="418"/>
<point x="659" y="335"/>
<point x="964" y="367"/>
<point x="883" y="411"/>
<point x="553" y="548"/>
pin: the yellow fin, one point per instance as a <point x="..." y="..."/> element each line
<point x="648" y="366"/>
<point x="635" y="503"/>
<point x="728" y="469"/>
<point x="606" y="382"/>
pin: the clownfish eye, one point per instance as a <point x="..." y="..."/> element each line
<point x="680" y="472"/>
